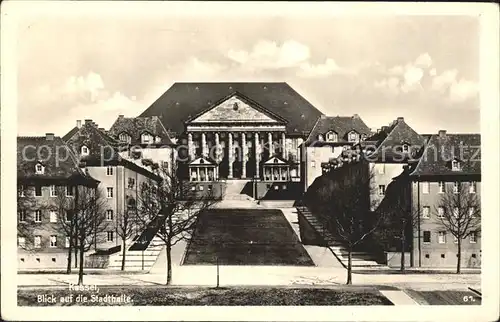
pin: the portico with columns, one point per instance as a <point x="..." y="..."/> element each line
<point x="236" y="136"/>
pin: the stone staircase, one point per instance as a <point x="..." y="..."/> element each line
<point x="137" y="260"/>
<point x="358" y="258"/>
<point x="234" y="198"/>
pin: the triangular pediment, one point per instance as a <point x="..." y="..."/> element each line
<point x="275" y="160"/>
<point x="201" y="161"/>
<point x="236" y="109"/>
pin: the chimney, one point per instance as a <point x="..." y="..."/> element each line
<point x="442" y="133"/>
<point x="355" y="116"/>
<point x="78" y="123"/>
<point x="102" y="129"/>
<point x="121" y="116"/>
<point x="401" y="119"/>
<point x="49" y="136"/>
<point x="378" y="130"/>
<point x="384" y="128"/>
<point x="88" y="122"/>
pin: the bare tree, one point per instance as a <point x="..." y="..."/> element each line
<point x="82" y="219"/>
<point x="346" y="202"/>
<point x="399" y="216"/>
<point x="125" y="229"/>
<point x="459" y="211"/>
<point x="168" y="211"/>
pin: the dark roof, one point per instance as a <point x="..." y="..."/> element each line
<point x="341" y="125"/>
<point x="443" y="148"/>
<point x="68" y="135"/>
<point x="388" y="142"/>
<point x="103" y="149"/>
<point x="182" y="101"/>
<point x="59" y="161"/>
<point x="136" y="126"/>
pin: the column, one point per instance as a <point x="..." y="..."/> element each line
<point x="283" y="146"/>
<point x="204" y="150"/>
<point x="230" y="156"/>
<point x="279" y="174"/>
<point x="300" y="156"/>
<point x="270" y="143"/>
<point x="244" y="158"/>
<point x="198" y="173"/>
<point x="216" y="173"/>
<point x="256" y="135"/>
<point x="190" y="146"/>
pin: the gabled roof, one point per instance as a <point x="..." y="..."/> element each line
<point x="443" y="148"/>
<point x="184" y="100"/>
<point x="389" y="140"/>
<point x="136" y="126"/>
<point x="342" y="125"/>
<point x="201" y="161"/>
<point x="59" y="161"/>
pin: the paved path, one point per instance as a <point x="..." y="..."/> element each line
<point x="398" y="297"/>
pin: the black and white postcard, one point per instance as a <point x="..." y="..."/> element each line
<point x="273" y="161"/>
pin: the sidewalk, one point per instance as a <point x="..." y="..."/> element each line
<point x="262" y="275"/>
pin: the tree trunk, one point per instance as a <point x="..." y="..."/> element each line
<point x="70" y="252"/>
<point x="123" y="253"/>
<point x="403" y="237"/>
<point x="349" y="266"/>
<point x="459" y="255"/>
<point x="169" y="262"/>
<point x="75" y="248"/>
<point x="80" y="271"/>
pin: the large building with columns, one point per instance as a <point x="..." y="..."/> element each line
<point x="244" y="131"/>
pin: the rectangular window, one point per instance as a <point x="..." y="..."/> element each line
<point x="313" y="164"/>
<point x="456" y="187"/>
<point x="53" y="191"/>
<point x="38" y="241"/>
<point x="109" y="214"/>
<point x="455" y="165"/>
<point x="109" y="171"/>
<point x="442" y="187"/>
<point x="53" y="241"/>
<point x="441" y="237"/>
<point x="210" y="187"/>
<point x="20" y="191"/>
<point x="109" y="192"/>
<point x="69" y="191"/>
<point x="381" y="190"/>
<point x="165" y="165"/>
<point x="201" y="188"/>
<point x="22" y="215"/>
<point x="427" y="237"/>
<point x="53" y="216"/>
<point x="21" y="241"/>
<point x="131" y="183"/>
<point x="425" y="187"/>
<point x="472" y="187"/>
<point x="38" y="216"/>
<point x="381" y="168"/>
<point x="67" y="216"/>
<point x="473" y="237"/>
<point x="66" y="242"/>
<point x="426" y="212"/>
<point x="440" y="212"/>
<point x="38" y="191"/>
<point x="111" y="236"/>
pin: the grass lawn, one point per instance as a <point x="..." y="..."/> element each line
<point x="245" y="237"/>
<point x="445" y="297"/>
<point x="166" y="296"/>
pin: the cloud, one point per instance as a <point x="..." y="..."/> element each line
<point x="442" y="82"/>
<point x="267" y="54"/>
<point x="424" y="60"/>
<point x="320" y="70"/>
<point x="463" y="90"/>
<point x="89" y="85"/>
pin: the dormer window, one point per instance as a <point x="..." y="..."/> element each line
<point x="320" y="137"/>
<point x="146" y="138"/>
<point x="85" y="150"/>
<point x="352" y="136"/>
<point x="331" y="136"/>
<point x="406" y="148"/>
<point x="455" y="165"/>
<point x="124" y="137"/>
<point x="39" y="168"/>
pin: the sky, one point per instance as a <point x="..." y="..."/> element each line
<point x="91" y="66"/>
